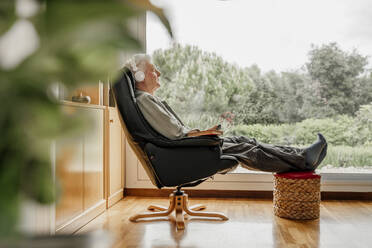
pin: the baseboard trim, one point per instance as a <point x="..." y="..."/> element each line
<point x="362" y="196"/>
<point x="117" y="196"/>
<point x="82" y="219"/>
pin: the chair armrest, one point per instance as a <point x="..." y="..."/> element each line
<point x="207" y="140"/>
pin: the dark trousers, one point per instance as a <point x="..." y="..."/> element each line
<point x="264" y="157"/>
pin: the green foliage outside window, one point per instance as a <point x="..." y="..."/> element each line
<point x="332" y="83"/>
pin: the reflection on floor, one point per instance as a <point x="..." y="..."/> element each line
<point x="251" y="224"/>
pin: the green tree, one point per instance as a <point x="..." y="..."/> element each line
<point x="199" y="83"/>
<point x="292" y="95"/>
<point x="260" y="104"/>
<point x="337" y="77"/>
<point x="362" y="128"/>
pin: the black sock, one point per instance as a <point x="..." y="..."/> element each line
<point x="313" y="152"/>
<point x="321" y="157"/>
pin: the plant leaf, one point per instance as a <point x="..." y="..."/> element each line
<point x="7" y="15"/>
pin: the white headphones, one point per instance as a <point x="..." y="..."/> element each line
<point x="139" y="76"/>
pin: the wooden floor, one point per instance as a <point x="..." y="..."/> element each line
<point x="251" y="224"/>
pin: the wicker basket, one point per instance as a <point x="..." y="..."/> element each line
<point x="297" y="195"/>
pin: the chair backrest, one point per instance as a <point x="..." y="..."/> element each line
<point x="136" y="128"/>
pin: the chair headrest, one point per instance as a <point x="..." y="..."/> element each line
<point x="131" y="82"/>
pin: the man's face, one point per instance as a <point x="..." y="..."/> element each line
<point x="152" y="77"/>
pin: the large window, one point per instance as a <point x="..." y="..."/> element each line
<point x="279" y="71"/>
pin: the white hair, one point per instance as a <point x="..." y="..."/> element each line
<point x="138" y="62"/>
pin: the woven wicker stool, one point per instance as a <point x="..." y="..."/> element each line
<point x="297" y="195"/>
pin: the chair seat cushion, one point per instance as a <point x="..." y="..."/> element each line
<point x="180" y="165"/>
<point x="298" y="175"/>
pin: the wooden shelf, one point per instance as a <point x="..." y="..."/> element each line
<point x="100" y="94"/>
<point x="82" y="105"/>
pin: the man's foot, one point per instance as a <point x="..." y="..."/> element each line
<point x="316" y="152"/>
<point x="321" y="157"/>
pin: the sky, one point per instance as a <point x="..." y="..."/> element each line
<point x="274" y="34"/>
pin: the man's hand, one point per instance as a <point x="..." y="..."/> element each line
<point x="212" y="131"/>
<point x="194" y="131"/>
<point x="217" y="127"/>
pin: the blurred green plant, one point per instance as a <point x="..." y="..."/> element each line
<point x="78" y="41"/>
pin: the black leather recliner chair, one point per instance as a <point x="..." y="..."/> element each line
<point x="178" y="163"/>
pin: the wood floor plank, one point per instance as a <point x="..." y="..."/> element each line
<point x="251" y="224"/>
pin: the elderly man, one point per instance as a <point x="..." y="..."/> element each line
<point x="250" y="153"/>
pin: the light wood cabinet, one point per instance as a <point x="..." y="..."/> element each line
<point x="115" y="157"/>
<point x="89" y="167"/>
<point x="93" y="160"/>
<point x="69" y="173"/>
<point x="80" y="172"/>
